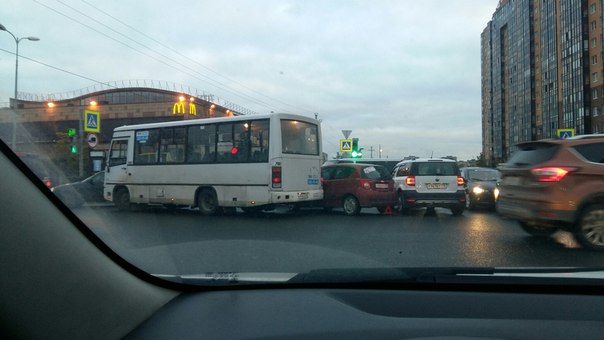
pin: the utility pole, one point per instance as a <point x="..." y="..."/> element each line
<point x="371" y="151"/>
<point x="81" y="144"/>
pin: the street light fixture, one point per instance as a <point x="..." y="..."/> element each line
<point x="16" y="103"/>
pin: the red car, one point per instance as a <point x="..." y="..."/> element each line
<point x="356" y="186"/>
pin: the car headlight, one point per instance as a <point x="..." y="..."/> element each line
<point x="496" y="193"/>
<point x="478" y="190"/>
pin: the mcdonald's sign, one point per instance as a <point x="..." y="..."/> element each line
<point x="179" y="108"/>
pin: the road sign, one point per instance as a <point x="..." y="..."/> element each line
<point x="92" y="140"/>
<point x="565" y="133"/>
<point x="346" y="133"/>
<point x="346" y="145"/>
<point x="92" y="121"/>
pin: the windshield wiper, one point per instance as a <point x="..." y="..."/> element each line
<point x="384" y="275"/>
<point x="228" y="278"/>
<point x="456" y="275"/>
<point x="402" y="276"/>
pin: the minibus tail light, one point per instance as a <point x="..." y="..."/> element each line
<point x="276" y="176"/>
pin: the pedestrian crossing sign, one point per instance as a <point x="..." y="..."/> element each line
<point x="92" y="121"/>
<point x="565" y="133"/>
<point x="345" y="145"/>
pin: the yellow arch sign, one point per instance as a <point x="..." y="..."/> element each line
<point x="179" y="108"/>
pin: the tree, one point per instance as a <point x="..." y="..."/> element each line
<point x="481" y="161"/>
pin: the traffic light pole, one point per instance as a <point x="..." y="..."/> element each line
<point x="81" y="144"/>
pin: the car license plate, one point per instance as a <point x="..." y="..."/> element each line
<point x="303" y="195"/>
<point x="381" y="186"/>
<point x="436" y="185"/>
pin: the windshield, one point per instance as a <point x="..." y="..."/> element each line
<point x="210" y="122"/>
<point x="375" y="172"/>
<point x="299" y="138"/>
<point x="484" y="175"/>
<point x="435" y="169"/>
<point x="533" y="153"/>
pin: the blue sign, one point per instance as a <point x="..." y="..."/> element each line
<point x="345" y="145"/>
<point x="92" y="121"/>
<point x="565" y="133"/>
<point x="313" y="181"/>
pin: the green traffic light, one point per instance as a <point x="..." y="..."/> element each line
<point x="74" y="149"/>
<point x="71" y="132"/>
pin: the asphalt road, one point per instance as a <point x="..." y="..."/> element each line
<point x="184" y="242"/>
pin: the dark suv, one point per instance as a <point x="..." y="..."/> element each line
<point x="551" y="184"/>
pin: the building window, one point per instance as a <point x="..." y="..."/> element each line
<point x="593" y="25"/>
<point x="594" y="42"/>
<point x="594" y="59"/>
<point x="594" y="77"/>
<point x="594" y="94"/>
<point x="593" y="8"/>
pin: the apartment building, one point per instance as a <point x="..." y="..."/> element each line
<point x="541" y="72"/>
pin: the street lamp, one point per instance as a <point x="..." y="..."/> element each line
<point x="16" y="105"/>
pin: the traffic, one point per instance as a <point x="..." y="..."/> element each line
<point x="267" y="162"/>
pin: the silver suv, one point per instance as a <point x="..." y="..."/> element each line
<point x="429" y="183"/>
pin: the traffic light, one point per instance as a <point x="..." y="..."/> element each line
<point x="356" y="151"/>
<point x="71" y="133"/>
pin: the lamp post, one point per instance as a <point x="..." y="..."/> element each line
<point x="16" y="104"/>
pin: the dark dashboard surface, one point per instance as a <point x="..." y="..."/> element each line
<point x="355" y="313"/>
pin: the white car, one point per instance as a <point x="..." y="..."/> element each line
<point x="431" y="182"/>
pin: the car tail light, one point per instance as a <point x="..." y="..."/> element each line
<point x="551" y="174"/>
<point x="276" y="176"/>
<point x="410" y="181"/>
<point x="365" y="185"/>
<point x="460" y="181"/>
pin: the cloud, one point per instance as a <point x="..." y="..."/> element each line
<point x="403" y="74"/>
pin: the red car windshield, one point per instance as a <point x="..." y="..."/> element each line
<point x="375" y="172"/>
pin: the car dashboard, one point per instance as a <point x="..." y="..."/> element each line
<point x="374" y="313"/>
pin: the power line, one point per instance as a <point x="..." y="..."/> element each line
<point x="325" y="137"/>
<point x="221" y="86"/>
<point x="210" y="80"/>
<point x="186" y="57"/>
<point x="57" y="68"/>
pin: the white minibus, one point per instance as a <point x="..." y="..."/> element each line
<point x="251" y="162"/>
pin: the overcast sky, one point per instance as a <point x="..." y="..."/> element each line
<point x="401" y="74"/>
